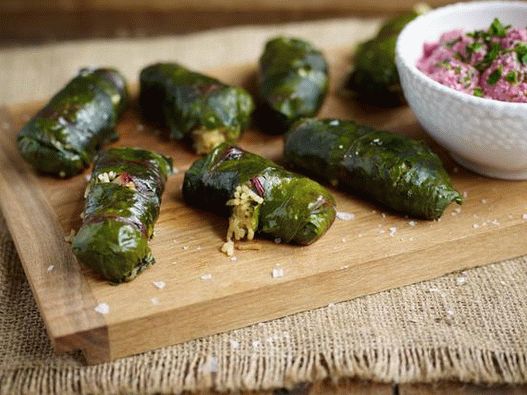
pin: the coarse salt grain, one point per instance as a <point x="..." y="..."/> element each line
<point x="393" y="230"/>
<point x="184" y="248"/>
<point x="234" y="259"/>
<point x="102" y="308"/>
<point x="524" y="216"/>
<point x="461" y="280"/>
<point x="412" y="223"/>
<point x="206" y="276"/>
<point x="159" y="284"/>
<point x="50" y="268"/>
<point x="344" y="216"/>
<point x="154" y="301"/>
<point x="277" y="272"/>
<point x="475" y="226"/>
<point x="343" y="239"/>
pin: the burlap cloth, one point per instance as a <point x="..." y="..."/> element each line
<point x="470" y="327"/>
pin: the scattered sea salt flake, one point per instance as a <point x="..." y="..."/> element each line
<point x="213" y="365"/>
<point x="381" y="231"/>
<point x="234" y="343"/>
<point x="393" y="230"/>
<point x="524" y="216"/>
<point x="495" y="222"/>
<point x="461" y="280"/>
<point x="277" y="272"/>
<point x="344" y="216"/>
<point x="484" y="201"/>
<point x="344" y="267"/>
<point x="475" y="226"/>
<point x="411" y="239"/>
<point x="412" y="223"/>
<point x="154" y="301"/>
<point x="102" y="308"/>
<point x="343" y="239"/>
<point x="50" y="268"/>
<point x="234" y="259"/>
<point x="278" y="240"/>
<point x="159" y="284"/>
<point x="330" y="305"/>
<point x="184" y="248"/>
<point x="206" y="276"/>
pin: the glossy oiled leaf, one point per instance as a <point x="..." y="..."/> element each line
<point x="192" y="104"/>
<point x="63" y="137"/>
<point x="294" y="209"/>
<point x="293" y="82"/>
<point x="374" y="77"/>
<point x="402" y="173"/>
<point x="122" y="205"/>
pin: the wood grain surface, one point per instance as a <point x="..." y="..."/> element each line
<point x="378" y="250"/>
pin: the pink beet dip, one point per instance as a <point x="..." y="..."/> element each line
<point x="486" y="63"/>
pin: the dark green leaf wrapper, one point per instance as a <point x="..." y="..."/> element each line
<point x="374" y="77"/>
<point x="63" y="137"/>
<point x="399" y="172"/>
<point x="293" y="82"/>
<point x="295" y="208"/>
<point x="122" y="205"/>
<point x="187" y="101"/>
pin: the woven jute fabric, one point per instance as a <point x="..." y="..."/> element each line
<point x="469" y="326"/>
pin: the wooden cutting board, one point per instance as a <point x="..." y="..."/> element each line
<point x="206" y="292"/>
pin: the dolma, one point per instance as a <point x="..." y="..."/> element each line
<point x="64" y="136"/>
<point x="374" y="77"/>
<point x="122" y="204"/>
<point x="397" y="171"/>
<point x="293" y="82"/>
<point x="194" y="106"/>
<point x="260" y="197"/>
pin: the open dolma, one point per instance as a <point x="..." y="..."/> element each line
<point x="260" y="197"/>
<point x="374" y="77"/>
<point x="122" y="204"/>
<point x="293" y="82"/>
<point x="193" y="105"/>
<point x="397" y="171"/>
<point x="64" y="136"/>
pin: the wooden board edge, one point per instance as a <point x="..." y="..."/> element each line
<point x="49" y="264"/>
<point x="179" y="325"/>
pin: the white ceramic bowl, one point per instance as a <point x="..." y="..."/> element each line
<point x="484" y="135"/>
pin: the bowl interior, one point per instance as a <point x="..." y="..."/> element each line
<point x="467" y="16"/>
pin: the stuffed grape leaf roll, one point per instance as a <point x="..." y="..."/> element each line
<point x="123" y="199"/>
<point x="64" y="136"/>
<point x="397" y="171"/>
<point x="194" y="106"/>
<point x="374" y="77"/>
<point x="293" y="82"/>
<point x="260" y="197"/>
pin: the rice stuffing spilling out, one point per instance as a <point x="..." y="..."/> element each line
<point x="486" y="63"/>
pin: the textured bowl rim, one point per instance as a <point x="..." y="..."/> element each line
<point x="425" y="79"/>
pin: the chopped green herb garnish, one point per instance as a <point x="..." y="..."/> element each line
<point x="494" y="76"/>
<point x="478" y="92"/>
<point x="474" y="47"/>
<point x="521" y="51"/>
<point x="512" y="77"/>
<point x="497" y="29"/>
<point x="489" y="57"/>
<point x="457" y="70"/>
<point x="453" y="42"/>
